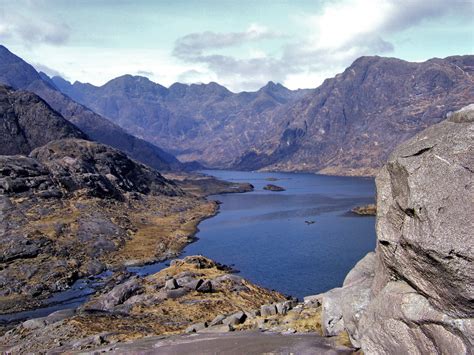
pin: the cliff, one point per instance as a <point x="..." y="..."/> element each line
<point x="414" y="294"/>
<point x="352" y="122"/>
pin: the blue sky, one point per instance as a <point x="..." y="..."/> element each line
<point x="240" y="44"/>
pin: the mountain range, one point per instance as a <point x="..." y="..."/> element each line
<point x="347" y="126"/>
<point x="204" y="122"/>
<point x="18" y="74"/>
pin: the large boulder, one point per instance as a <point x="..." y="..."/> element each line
<point x="342" y="307"/>
<point x="117" y="296"/>
<point x="425" y="221"/>
<point x="415" y="295"/>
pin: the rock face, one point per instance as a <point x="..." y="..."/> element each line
<point x="352" y="122"/>
<point x="27" y="122"/>
<point x="68" y="165"/>
<point x="205" y="121"/>
<point x="20" y="75"/>
<point x="416" y="294"/>
<point x="348" y="125"/>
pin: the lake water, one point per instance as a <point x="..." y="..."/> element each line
<point x="264" y="235"/>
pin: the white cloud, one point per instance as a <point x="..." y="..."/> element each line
<point x="334" y="37"/>
<point x="32" y="31"/>
<point x="339" y="23"/>
<point x="194" y="44"/>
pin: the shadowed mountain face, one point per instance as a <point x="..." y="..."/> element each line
<point x="20" y="75"/>
<point x="351" y="123"/>
<point x="203" y="122"/>
<point x="28" y="122"/>
<point x="348" y="125"/>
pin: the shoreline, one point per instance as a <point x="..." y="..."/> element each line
<point x="221" y="187"/>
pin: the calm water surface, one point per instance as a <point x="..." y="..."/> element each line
<point x="264" y="235"/>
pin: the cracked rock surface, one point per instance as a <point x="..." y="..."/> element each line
<point x="416" y="295"/>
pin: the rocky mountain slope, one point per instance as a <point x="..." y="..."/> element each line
<point x="20" y="75"/>
<point x="414" y="294"/>
<point x="351" y="123"/>
<point x="27" y="122"/>
<point x="71" y="207"/>
<point x="74" y="207"/>
<point x="203" y="122"/>
<point x="347" y="126"/>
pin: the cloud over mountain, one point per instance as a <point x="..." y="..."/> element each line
<point x="339" y="33"/>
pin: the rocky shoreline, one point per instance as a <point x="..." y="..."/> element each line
<point x="165" y="303"/>
<point x="135" y="229"/>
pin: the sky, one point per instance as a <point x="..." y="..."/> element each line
<point x="240" y="44"/>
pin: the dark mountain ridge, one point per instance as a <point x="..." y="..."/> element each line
<point x="351" y="123"/>
<point x="348" y="125"/>
<point x="28" y="123"/>
<point x="20" y="75"/>
<point x="205" y="122"/>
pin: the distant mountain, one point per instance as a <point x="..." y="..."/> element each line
<point x="351" y="123"/>
<point x="28" y="123"/>
<point x="18" y="74"/>
<point x="204" y="122"/>
<point x="348" y="125"/>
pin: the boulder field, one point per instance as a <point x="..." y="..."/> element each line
<point x="414" y="294"/>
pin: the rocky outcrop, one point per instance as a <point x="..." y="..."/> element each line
<point x="78" y="164"/>
<point x="69" y="165"/>
<point x="132" y="307"/>
<point x="415" y="294"/>
<point x="271" y="187"/>
<point x="27" y="122"/>
<point x="365" y="210"/>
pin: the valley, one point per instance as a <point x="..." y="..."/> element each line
<point x="347" y="126"/>
<point x="116" y="234"/>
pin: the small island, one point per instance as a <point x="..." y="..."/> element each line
<point x="271" y="187"/>
<point x="366" y="210"/>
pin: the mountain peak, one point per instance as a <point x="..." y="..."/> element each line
<point x="271" y="85"/>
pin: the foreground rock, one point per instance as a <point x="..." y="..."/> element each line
<point x="139" y="307"/>
<point x="233" y="343"/>
<point x="414" y="295"/>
